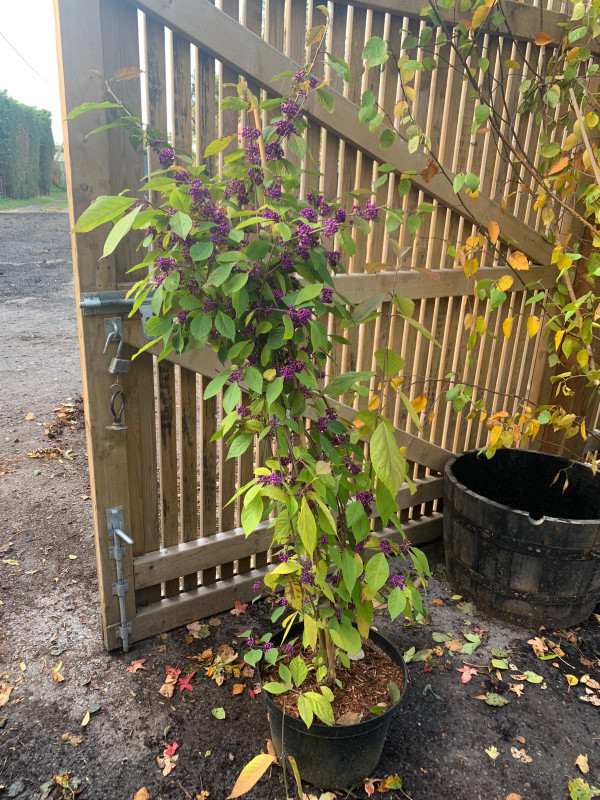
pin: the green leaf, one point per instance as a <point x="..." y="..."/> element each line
<point x="201" y="250"/>
<point x="254" y="379"/>
<point x="394" y="691"/>
<point x="387" y="139"/>
<point x="240" y="444"/>
<point x="305" y="710"/>
<point x="341" y="383"/>
<point x="347" y="637"/>
<point x="219" y="275"/>
<point x="493" y="699"/>
<point x="181" y="224"/>
<point x="298" y="146"/>
<point x="201" y="326"/>
<point x="274" y="687"/>
<point x="326" y="100"/>
<point x="308" y="293"/>
<point x="85" y="107"/>
<point x="377" y="572"/>
<point x="340" y="66"/>
<point x="274" y="389"/>
<point x="396" y="603"/>
<point x="121" y="228"/>
<point x="411" y="411"/>
<point x="298" y="669"/>
<point x="321" y="707"/>
<point x="171" y="282"/>
<point x="533" y="677"/>
<point x="349" y="570"/>
<point x="252" y="657"/>
<point x="225" y="325"/>
<point x="252" y="514"/>
<point x="388" y="462"/>
<point x="367" y="307"/>
<point x="215" y="386"/>
<point x="104" y="209"/>
<point x="307" y="527"/>
<point x="375" y="52"/>
<point x="218" y="713"/>
<point x="218" y="145"/>
<point x="390" y="361"/>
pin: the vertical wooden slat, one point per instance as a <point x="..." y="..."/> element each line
<point x="226" y="492"/>
<point x="168" y="462"/>
<point x="245" y="470"/>
<point x="208" y="484"/>
<point x="188" y="451"/>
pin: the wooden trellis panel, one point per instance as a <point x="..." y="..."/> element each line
<point x="189" y="559"/>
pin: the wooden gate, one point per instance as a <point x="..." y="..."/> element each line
<point x="190" y="559"/>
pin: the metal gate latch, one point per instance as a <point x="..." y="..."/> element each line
<point x="115" y="522"/>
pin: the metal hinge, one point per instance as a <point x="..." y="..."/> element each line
<point x="115" y="523"/>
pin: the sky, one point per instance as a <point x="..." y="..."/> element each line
<point x="29" y="27"/>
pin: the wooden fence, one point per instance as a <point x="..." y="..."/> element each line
<point x="190" y="558"/>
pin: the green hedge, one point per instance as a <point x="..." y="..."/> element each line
<point x="26" y="149"/>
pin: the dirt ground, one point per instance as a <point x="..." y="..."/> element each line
<point x="49" y="620"/>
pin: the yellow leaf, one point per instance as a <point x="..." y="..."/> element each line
<point x="505" y="282"/>
<point x="493" y="231"/>
<point x="400" y="108"/>
<point x="570" y="141"/>
<point x="507" y="327"/>
<point x="583" y="357"/>
<point x="419" y="403"/>
<point x="30" y="416"/>
<point x="85" y="719"/>
<point x="474" y="194"/>
<point x="582" y="430"/>
<point x="547" y="216"/>
<point x="495" y="434"/>
<point x="564" y="261"/>
<point x="470" y="267"/>
<point x="492" y="752"/>
<point x="251" y="773"/>
<point x="533" y="326"/>
<point x="238" y="688"/>
<point x="480" y="16"/>
<point x="374" y="402"/>
<point x="469" y="321"/>
<point x="572" y="680"/>
<point x="558" y="337"/>
<point x="480" y="325"/>
<point x="409" y="92"/>
<point x="542" y="39"/>
<point x="396" y="382"/>
<point x="518" y="260"/>
<point x="540" y="202"/>
<point x="582" y="762"/>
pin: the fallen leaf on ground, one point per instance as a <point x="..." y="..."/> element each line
<point x="238" y="608"/>
<point x="492" y="752"/>
<point x="572" y="680"/>
<point x="168" y="687"/>
<point x="454" y="645"/>
<point x="520" y="739"/>
<point x="517" y="688"/>
<point x="72" y="739"/>
<point x="4" y="694"/>
<point x="593" y="699"/>
<point x="136" y="665"/>
<point x="252" y="772"/>
<point x="467" y="673"/>
<point x="238" y="688"/>
<point x="204" y="795"/>
<point x="513" y="796"/>
<point x="185" y="682"/>
<point x="142" y="794"/>
<point x="170" y="749"/>
<point x="167" y="763"/>
<point x="218" y="713"/>
<point x="521" y="755"/>
<point x="532" y="677"/>
<point x="57" y="676"/>
<point x="539" y="645"/>
<point x="86" y="719"/>
<point x="198" y="630"/>
<point x="349" y="718"/>
<point x="247" y="671"/>
<point x="30" y="416"/>
<point x="369" y="786"/>
<point x="437" y="601"/>
<point x="226" y="653"/>
<point x="214" y="621"/>
<point x="582" y="763"/>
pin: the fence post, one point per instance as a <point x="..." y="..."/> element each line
<point x="81" y="30"/>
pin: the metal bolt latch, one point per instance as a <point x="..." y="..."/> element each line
<point x="115" y="523"/>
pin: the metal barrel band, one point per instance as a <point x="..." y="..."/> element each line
<point x="528" y="597"/>
<point x="526" y="548"/>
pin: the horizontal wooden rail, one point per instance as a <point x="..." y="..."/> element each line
<point x="171" y="612"/>
<point x="523" y="22"/>
<point x="221" y="36"/>
<point x="172" y="562"/>
<point x="425" y="285"/>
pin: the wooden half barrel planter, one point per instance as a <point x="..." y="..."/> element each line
<point x="521" y="542"/>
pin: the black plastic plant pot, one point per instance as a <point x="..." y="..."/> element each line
<point x="521" y="540"/>
<point x="338" y="756"/>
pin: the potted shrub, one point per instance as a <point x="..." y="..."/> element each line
<point x="239" y="263"/>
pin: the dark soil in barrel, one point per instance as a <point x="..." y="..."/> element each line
<point x="364" y="686"/>
<point x="539" y="484"/>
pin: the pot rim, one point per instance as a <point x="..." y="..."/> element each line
<point x="345" y="731"/>
<point x="450" y="476"/>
